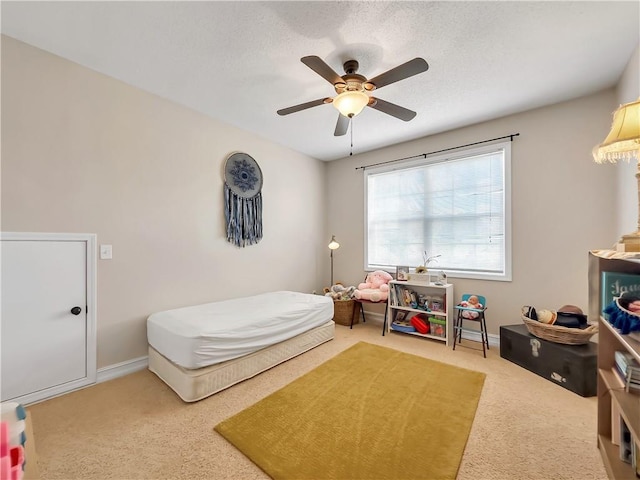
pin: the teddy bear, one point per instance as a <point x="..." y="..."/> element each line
<point x="340" y="292"/>
<point x="471" y="302"/>
<point x="374" y="288"/>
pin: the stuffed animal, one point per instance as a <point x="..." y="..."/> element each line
<point x="340" y="292"/>
<point x="374" y="288"/>
<point x="471" y="302"/>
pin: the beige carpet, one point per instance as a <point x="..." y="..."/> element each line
<point x="369" y="412"/>
<point x="136" y="427"/>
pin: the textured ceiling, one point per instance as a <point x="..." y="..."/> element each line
<point x="239" y="62"/>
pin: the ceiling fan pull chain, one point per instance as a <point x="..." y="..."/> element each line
<point x="351" y="122"/>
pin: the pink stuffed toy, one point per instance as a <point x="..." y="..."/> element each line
<point x="374" y="288"/>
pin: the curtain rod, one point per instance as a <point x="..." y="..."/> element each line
<point x="424" y="155"/>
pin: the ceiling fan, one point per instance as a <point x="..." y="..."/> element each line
<point x="353" y="90"/>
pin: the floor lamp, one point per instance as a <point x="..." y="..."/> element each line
<point x="623" y="143"/>
<point x="333" y="245"/>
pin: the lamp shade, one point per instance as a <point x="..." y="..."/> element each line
<point x="351" y="103"/>
<point x="333" y="245"/>
<point x="623" y="141"/>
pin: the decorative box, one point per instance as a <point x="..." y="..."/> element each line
<point x="419" y="277"/>
<point x="437" y="327"/>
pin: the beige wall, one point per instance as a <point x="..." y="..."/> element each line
<point x="82" y="152"/>
<point x="563" y="204"/>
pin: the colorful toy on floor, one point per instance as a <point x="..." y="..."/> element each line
<point x="12" y="440"/>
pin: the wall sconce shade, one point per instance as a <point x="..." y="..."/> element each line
<point x="623" y="141"/>
<point x="351" y="103"/>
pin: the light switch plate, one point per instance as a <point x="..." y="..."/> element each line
<point x="106" y="252"/>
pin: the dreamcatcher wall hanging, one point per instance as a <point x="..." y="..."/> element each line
<point x="243" y="200"/>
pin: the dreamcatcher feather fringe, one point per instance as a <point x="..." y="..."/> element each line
<point x="244" y="218"/>
<point x="621" y="318"/>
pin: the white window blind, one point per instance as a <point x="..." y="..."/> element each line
<point x="456" y="207"/>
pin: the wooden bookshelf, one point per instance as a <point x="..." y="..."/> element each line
<point x="609" y="391"/>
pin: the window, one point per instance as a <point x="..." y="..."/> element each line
<point x="458" y="207"/>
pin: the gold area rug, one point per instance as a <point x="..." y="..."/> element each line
<point x="370" y="412"/>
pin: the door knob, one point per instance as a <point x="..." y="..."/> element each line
<point x="76" y="310"/>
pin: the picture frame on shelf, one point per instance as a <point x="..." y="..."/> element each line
<point x="401" y="315"/>
<point x="402" y="273"/>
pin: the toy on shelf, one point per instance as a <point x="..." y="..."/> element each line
<point x="420" y="323"/>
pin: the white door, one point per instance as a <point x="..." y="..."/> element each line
<point x="47" y="324"/>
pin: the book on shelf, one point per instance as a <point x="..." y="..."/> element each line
<point x="625" y="380"/>
<point x="406" y="297"/>
<point x="626" y="442"/>
<point x="615" y="284"/>
<point x="398" y="296"/>
<point x="628" y="365"/>
<point x="634" y="335"/>
<point x="397" y="299"/>
<point x="392" y="296"/>
<point x="615" y="420"/>
<point x="628" y="369"/>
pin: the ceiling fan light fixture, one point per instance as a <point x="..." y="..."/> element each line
<point x="351" y="103"/>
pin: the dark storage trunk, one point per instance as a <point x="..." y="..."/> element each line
<point x="570" y="366"/>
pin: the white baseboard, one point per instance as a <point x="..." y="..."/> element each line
<point x="121" y="369"/>
<point x="494" y="340"/>
<point x="125" y="368"/>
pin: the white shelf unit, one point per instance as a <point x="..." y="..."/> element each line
<point x="428" y="290"/>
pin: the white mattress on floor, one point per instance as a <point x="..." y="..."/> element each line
<point x="202" y="335"/>
<point x="194" y="385"/>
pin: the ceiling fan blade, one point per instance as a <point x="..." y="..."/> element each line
<point x="303" y="106"/>
<point x="406" y="70"/>
<point x="393" y="109"/>
<point x="341" y="126"/>
<point x="321" y="68"/>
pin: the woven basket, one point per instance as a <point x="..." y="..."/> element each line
<point x="343" y="311"/>
<point x="557" y="334"/>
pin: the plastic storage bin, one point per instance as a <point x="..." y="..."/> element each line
<point x="437" y="327"/>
